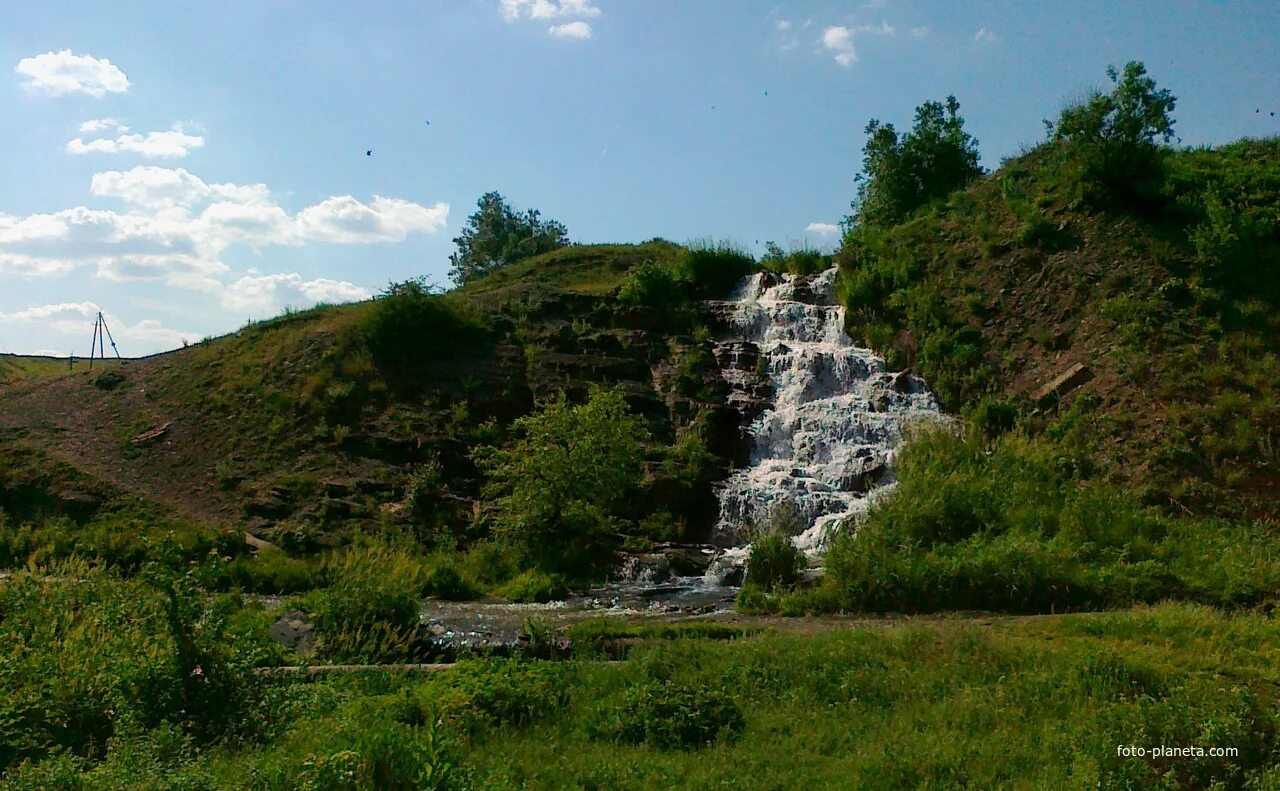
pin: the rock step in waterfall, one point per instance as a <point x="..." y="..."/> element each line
<point x="823" y="442"/>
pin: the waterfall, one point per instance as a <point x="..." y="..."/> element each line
<point x="824" y="440"/>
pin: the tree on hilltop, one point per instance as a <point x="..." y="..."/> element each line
<point x="902" y="173"/>
<point x="496" y="236"/>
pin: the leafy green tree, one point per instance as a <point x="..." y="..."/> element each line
<point x="902" y="173"/>
<point x="1118" y="132"/>
<point x="496" y="235"/>
<point x="1133" y="114"/>
<point x="558" y="485"/>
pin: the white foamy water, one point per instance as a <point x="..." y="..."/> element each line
<point x="827" y="440"/>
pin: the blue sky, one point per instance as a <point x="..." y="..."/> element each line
<point x="188" y="167"/>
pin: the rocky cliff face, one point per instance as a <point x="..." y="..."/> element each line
<point x="561" y="342"/>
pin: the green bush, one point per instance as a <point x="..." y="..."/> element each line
<point x="752" y="599"/>
<point x="992" y="416"/>
<point x="370" y="744"/>
<point x="534" y="586"/>
<point x="901" y="174"/>
<point x="591" y="636"/>
<point x="124" y="538"/>
<point x="775" y="561"/>
<point x="802" y="261"/>
<point x="491" y="562"/>
<point x="410" y="322"/>
<point x="672" y="716"/>
<point x="369" y="608"/>
<point x="1235" y="242"/>
<point x="424" y="491"/>
<point x="497" y="692"/>
<point x="445" y="578"/>
<point x="712" y="269"/>
<point x="271" y="570"/>
<point x="496" y="236"/>
<point x="1115" y="133"/>
<point x="89" y="657"/>
<point x="650" y="285"/>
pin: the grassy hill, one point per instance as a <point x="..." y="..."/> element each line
<point x="1172" y="305"/>
<point x="15" y="367"/>
<point x="306" y="429"/>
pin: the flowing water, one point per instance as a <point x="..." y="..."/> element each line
<point x="828" y="418"/>
<point x="823" y="449"/>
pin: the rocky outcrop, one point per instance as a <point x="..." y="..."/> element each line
<point x="1062" y="384"/>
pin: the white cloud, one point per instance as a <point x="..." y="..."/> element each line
<point x="325" y="290"/>
<point x="260" y="293"/>
<point x="839" y="39"/>
<point x="153" y="334"/>
<point x="513" y="10"/>
<point x="582" y="8"/>
<point x="151" y="186"/>
<point x="75" y="319"/>
<point x="577" y="10"/>
<point x="787" y="38"/>
<point x="919" y="32"/>
<point x="171" y="227"/>
<point x="256" y="224"/>
<point x="38" y="312"/>
<point x="344" y="220"/>
<point x="170" y="144"/>
<point x="578" y="30"/>
<point x="98" y="124"/>
<point x="984" y="36"/>
<point x="61" y="73"/>
<point x="174" y="228"/>
<point x="822" y="228"/>
<point x="882" y="29"/>
<point x="33" y="266"/>
<point x="34" y="226"/>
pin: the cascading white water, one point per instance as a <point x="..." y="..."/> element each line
<point x="825" y="445"/>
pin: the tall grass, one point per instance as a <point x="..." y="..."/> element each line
<point x="1010" y="525"/>
<point x="369" y="609"/>
<point x="92" y="697"/>
<point x="800" y="259"/>
<point x="712" y="267"/>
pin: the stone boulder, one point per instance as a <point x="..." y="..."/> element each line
<point x="293" y="631"/>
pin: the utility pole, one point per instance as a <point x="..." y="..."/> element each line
<point x="101" y="334"/>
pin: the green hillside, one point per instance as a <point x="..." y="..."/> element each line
<point x="313" y="428"/>
<point x="1173" y="306"/>
<point x="15" y="367"/>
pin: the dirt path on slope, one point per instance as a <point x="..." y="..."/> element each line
<point x="75" y="421"/>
